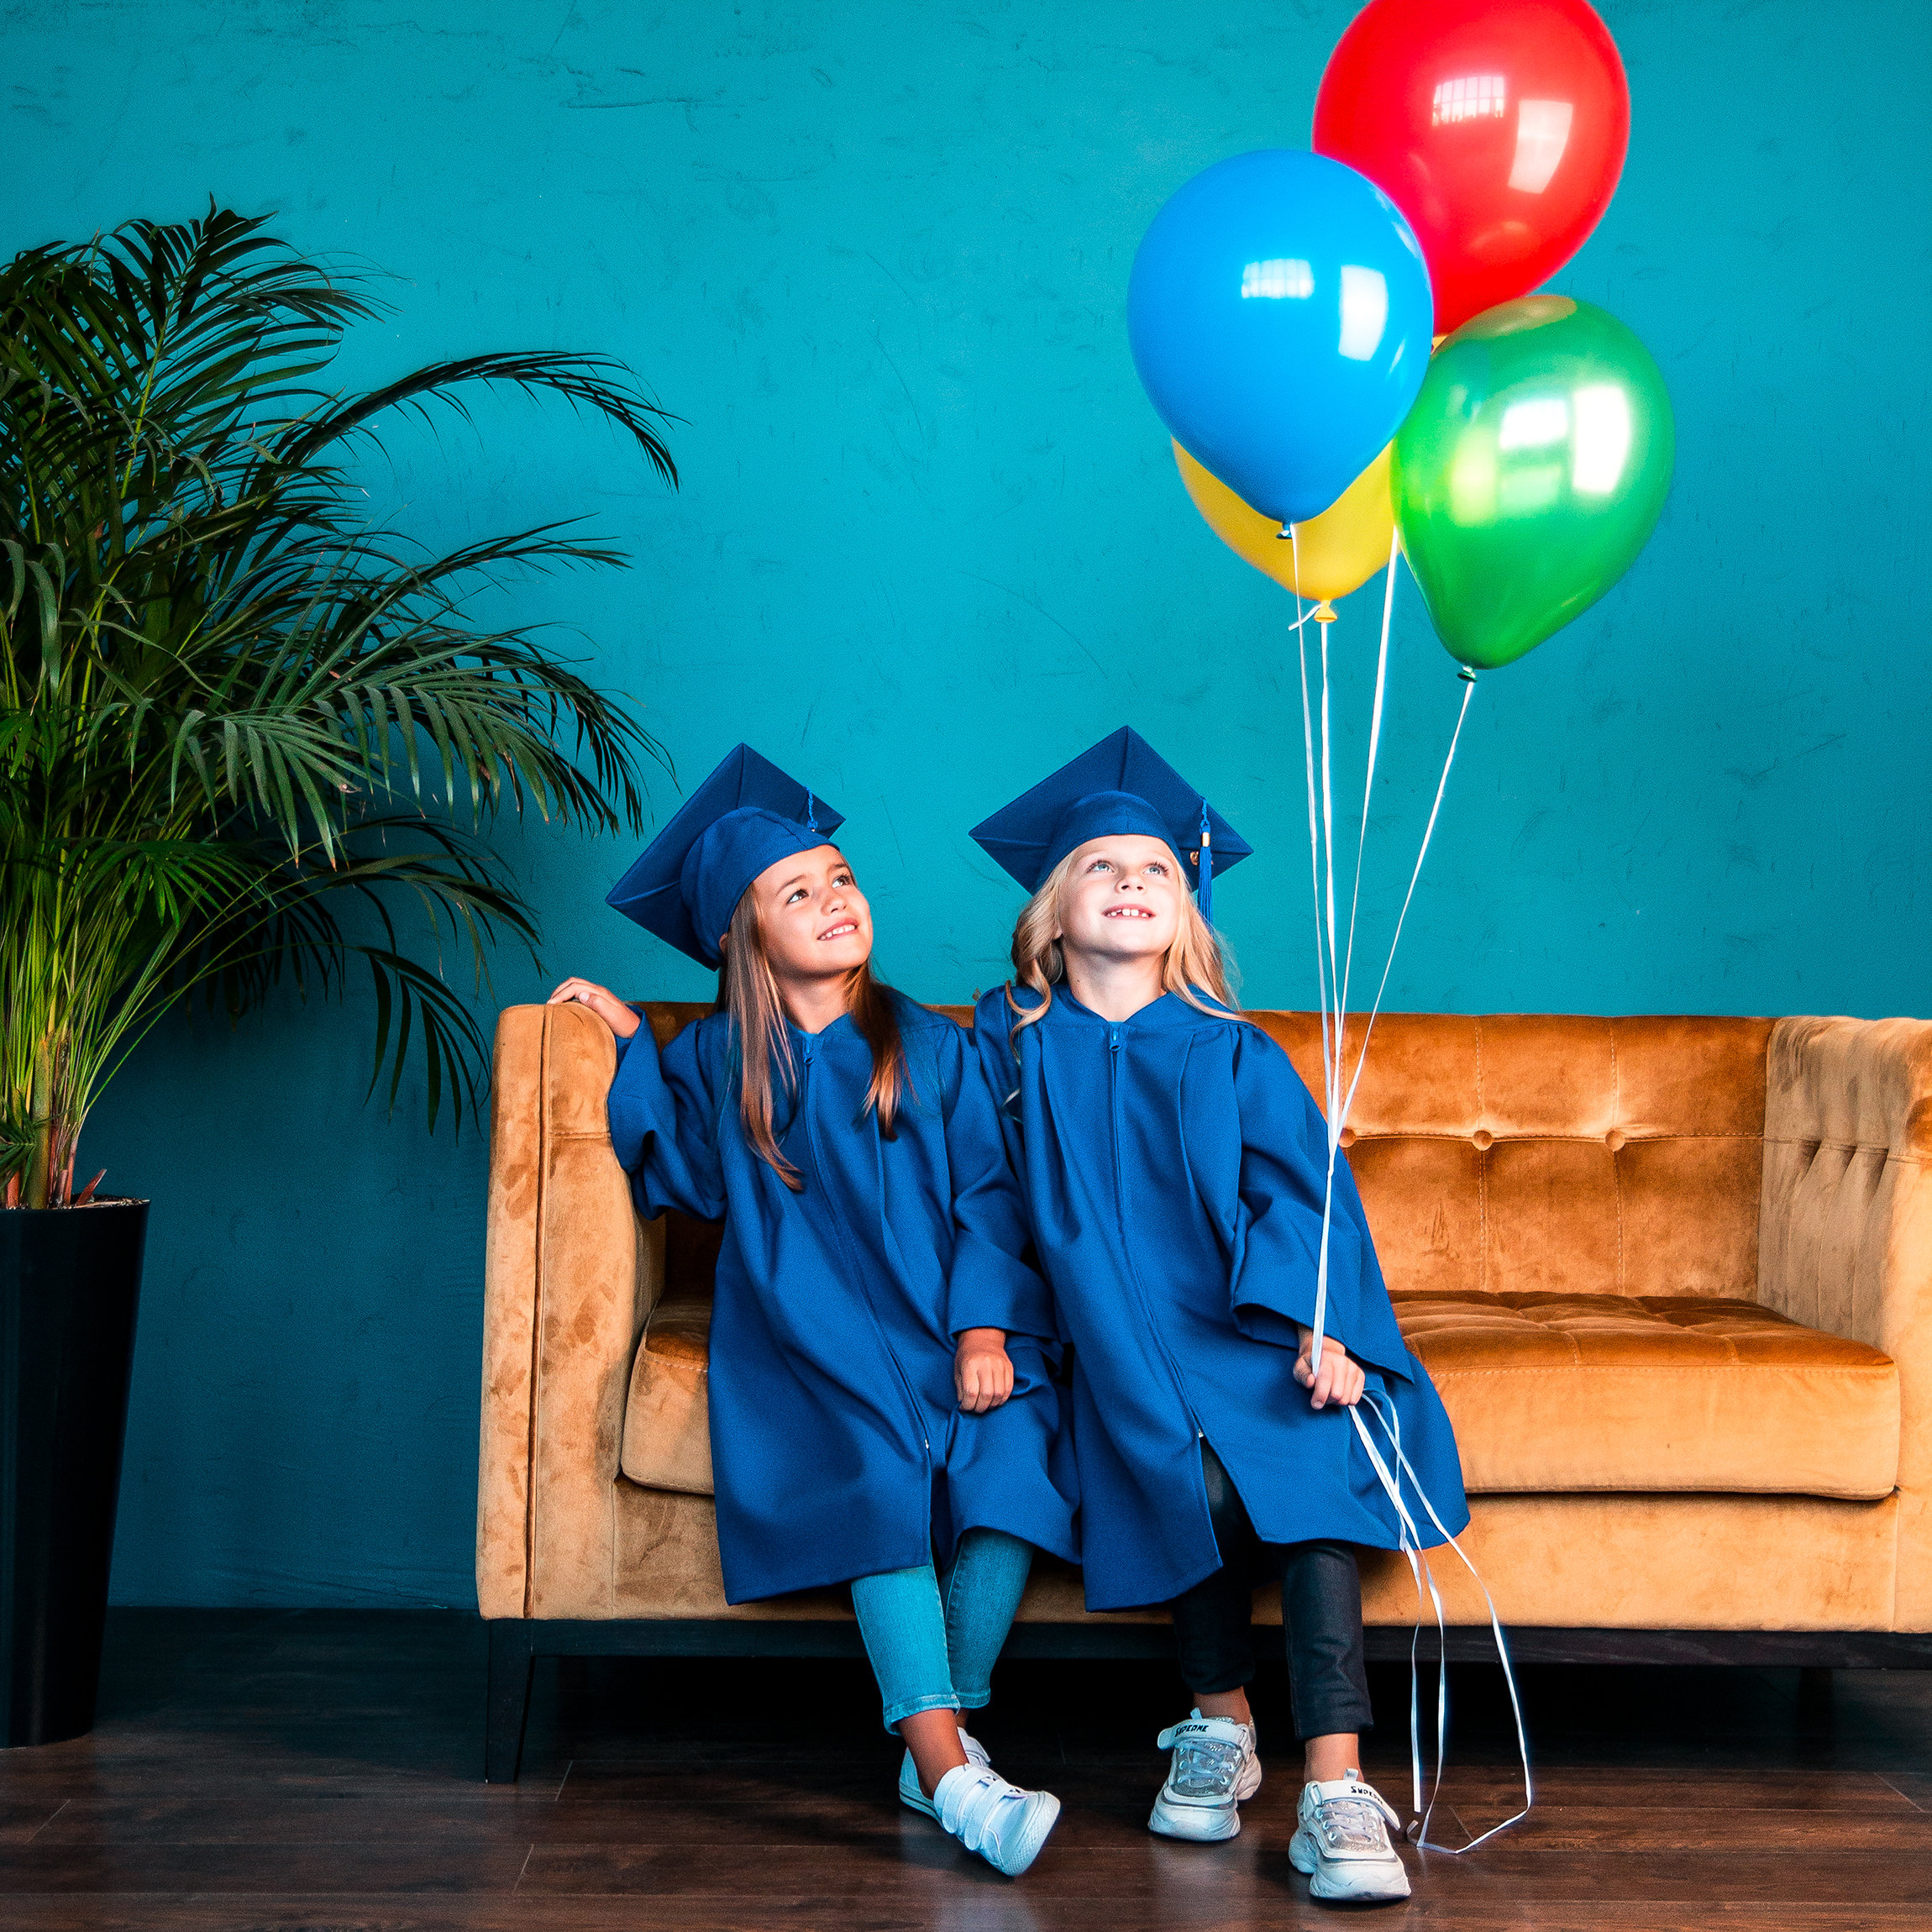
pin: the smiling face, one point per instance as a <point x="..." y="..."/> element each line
<point x="813" y="918"/>
<point x="1122" y="899"/>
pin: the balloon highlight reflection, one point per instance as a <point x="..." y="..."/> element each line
<point x="1529" y="472"/>
<point x="1498" y="127"/>
<point x="1278" y="312"/>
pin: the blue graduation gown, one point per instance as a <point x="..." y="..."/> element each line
<point x="1174" y="1166"/>
<point x="837" y="1447"/>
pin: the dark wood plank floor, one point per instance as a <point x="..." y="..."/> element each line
<point x="319" y="1769"/>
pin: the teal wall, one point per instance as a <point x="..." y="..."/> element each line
<point x="930" y="543"/>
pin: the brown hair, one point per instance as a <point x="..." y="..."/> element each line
<point x="1198" y="959"/>
<point x="749" y="990"/>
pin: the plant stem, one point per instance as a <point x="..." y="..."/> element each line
<point x="39" y="1165"/>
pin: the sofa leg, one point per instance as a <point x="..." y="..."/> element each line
<point x="1814" y="1696"/>
<point x="508" y="1703"/>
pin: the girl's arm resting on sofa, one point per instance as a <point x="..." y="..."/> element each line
<point x="661" y="1111"/>
<point x="623" y="1021"/>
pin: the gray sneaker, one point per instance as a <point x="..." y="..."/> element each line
<point x="1342" y="1841"/>
<point x="1213" y="1769"/>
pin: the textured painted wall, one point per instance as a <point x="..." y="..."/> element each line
<point x="930" y="544"/>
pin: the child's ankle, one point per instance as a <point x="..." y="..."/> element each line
<point x="1325" y="1759"/>
<point x="1233" y="1705"/>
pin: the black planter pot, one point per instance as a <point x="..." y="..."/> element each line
<point x="70" y="1281"/>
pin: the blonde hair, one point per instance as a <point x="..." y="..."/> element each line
<point x="749" y="990"/>
<point x="1198" y="962"/>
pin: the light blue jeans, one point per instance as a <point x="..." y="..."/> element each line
<point x="933" y="1639"/>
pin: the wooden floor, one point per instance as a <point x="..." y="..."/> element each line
<point x="319" y="1769"/>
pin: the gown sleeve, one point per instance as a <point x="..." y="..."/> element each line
<point x="1284" y="1163"/>
<point x="992" y="1283"/>
<point x="664" y="1120"/>
<point x="1000" y="1066"/>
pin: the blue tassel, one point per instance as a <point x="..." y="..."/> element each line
<point x="811" y="811"/>
<point x="1206" y="894"/>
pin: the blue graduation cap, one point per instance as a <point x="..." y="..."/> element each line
<point x="746" y="816"/>
<point x="1121" y="785"/>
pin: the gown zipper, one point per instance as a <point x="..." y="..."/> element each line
<point x="1126" y="1247"/>
<point x="917" y="1414"/>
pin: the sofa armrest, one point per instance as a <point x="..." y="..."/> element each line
<point x="569" y="1275"/>
<point x="1844" y="1226"/>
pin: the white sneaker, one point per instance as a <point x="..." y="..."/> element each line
<point x="1342" y="1841"/>
<point x="1005" y="1826"/>
<point x="1213" y="1769"/>
<point x="909" y="1790"/>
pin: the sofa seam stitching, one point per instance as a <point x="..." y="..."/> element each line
<point x="678" y="1363"/>
<point x="1668" y="1368"/>
<point x="1718" y="1495"/>
<point x="630" y="1366"/>
<point x="1616" y="1173"/>
<point x="1897" y="1515"/>
<point x="1768" y="1140"/>
<point x="1591" y="1139"/>
<point x="1818" y="1144"/>
<point x="536" y="1317"/>
<point x="1481" y="1176"/>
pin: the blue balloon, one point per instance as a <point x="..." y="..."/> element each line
<point x="1279" y="313"/>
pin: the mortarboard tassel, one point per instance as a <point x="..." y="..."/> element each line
<point x="811" y="810"/>
<point x="1206" y="897"/>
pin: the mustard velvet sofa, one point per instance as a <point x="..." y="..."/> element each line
<point x="1672" y="1276"/>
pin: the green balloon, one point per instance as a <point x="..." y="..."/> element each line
<point x="1530" y="472"/>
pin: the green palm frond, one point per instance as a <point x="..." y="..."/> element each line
<point x="595" y="383"/>
<point x="245" y="739"/>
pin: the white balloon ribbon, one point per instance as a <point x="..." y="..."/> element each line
<point x="1338" y="1101"/>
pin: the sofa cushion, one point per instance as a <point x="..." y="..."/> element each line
<point x="1550" y="1394"/>
<point x="1565" y="1393"/>
<point x="667" y="1421"/>
<point x="1671" y="1563"/>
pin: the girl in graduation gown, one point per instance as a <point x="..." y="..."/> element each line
<point x="1174" y="1166"/>
<point x="883" y="1410"/>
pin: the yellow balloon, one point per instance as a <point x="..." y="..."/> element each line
<point x="1332" y="554"/>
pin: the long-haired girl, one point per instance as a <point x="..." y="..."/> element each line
<point x="1174" y="1168"/>
<point x="882" y="1406"/>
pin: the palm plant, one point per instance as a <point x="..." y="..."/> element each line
<point x="230" y="711"/>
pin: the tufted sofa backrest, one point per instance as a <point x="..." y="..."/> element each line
<point x="1555" y="1151"/>
<point x="1523" y="1152"/>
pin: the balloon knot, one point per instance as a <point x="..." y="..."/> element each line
<point x="1324" y="613"/>
<point x="1285" y="534"/>
<point x="1467" y="676"/>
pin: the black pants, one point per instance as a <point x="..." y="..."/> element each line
<point x="1321" y="1617"/>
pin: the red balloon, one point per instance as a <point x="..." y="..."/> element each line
<point x="1498" y="127"/>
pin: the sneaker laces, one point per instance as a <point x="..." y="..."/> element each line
<point x="1204" y="1766"/>
<point x="1356" y="1819"/>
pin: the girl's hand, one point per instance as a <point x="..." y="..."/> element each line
<point x="621" y="1019"/>
<point x="1338" y="1379"/>
<point x="982" y="1370"/>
